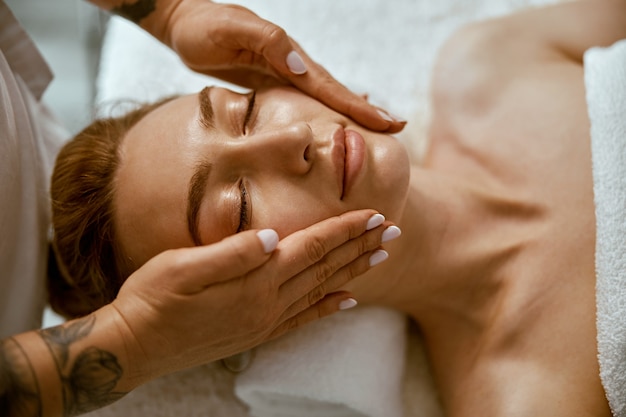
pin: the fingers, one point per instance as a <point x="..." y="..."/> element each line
<point x="325" y="307"/>
<point x="318" y="83"/>
<point x="289" y="60"/>
<point x="335" y="270"/>
<point x="359" y="266"/>
<point x="263" y="38"/>
<point x="304" y="248"/>
<point x="236" y="44"/>
<point x="279" y="51"/>
<point x="193" y="269"/>
<point x="338" y="267"/>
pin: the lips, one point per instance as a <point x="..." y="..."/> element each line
<point x="348" y="154"/>
<point x="355" y="155"/>
<point x="339" y="157"/>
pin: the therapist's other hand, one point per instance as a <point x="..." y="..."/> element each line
<point x="232" y="43"/>
<point x="190" y="306"/>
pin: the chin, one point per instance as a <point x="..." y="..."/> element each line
<point x="393" y="171"/>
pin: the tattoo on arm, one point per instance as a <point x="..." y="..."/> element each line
<point x="89" y="382"/>
<point x="19" y="392"/>
<point x="137" y="11"/>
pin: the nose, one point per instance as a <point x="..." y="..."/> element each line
<point x="290" y="149"/>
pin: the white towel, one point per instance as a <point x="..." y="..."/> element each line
<point x="348" y="365"/>
<point x="605" y="82"/>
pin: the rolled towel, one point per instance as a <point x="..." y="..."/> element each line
<point x="605" y="82"/>
<point x="348" y="365"/>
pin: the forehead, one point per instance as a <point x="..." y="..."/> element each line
<point x="151" y="182"/>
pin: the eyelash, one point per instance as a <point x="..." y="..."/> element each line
<point x="249" y="110"/>
<point x="244" y="219"/>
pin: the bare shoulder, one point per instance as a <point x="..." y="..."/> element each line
<point x="478" y="63"/>
<point x="500" y="85"/>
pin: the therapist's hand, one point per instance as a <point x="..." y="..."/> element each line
<point x="190" y="306"/>
<point x="232" y="43"/>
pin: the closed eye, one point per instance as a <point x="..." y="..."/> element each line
<point x="249" y="111"/>
<point x="244" y="208"/>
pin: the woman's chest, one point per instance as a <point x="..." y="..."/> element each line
<point x="535" y="348"/>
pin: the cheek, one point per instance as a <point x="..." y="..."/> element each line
<point x="290" y="209"/>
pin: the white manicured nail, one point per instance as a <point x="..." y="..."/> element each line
<point x="378" y="256"/>
<point x="347" y="303"/>
<point x="269" y="239"/>
<point x="397" y="118"/>
<point x="391" y="233"/>
<point x="375" y="221"/>
<point x="384" y="115"/>
<point x="295" y="63"/>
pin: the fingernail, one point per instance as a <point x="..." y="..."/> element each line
<point x="375" y="221"/>
<point x="269" y="239"/>
<point x="390" y="117"/>
<point x="378" y="256"/>
<point x="384" y="115"/>
<point x="397" y="118"/>
<point x="391" y="233"/>
<point x="347" y="303"/>
<point x="295" y="63"/>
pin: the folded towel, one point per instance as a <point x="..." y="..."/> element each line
<point x="348" y="365"/>
<point x="605" y="82"/>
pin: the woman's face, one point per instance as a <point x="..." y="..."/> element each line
<point x="205" y="166"/>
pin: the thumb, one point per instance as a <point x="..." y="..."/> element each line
<point x="283" y="53"/>
<point x="266" y="39"/>
<point x="199" y="267"/>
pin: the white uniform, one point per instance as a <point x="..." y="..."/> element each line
<point x="29" y="140"/>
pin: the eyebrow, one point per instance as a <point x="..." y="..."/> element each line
<point x="195" y="194"/>
<point x="200" y="177"/>
<point x="206" y="108"/>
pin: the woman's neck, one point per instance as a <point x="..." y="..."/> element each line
<point x="457" y="241"/>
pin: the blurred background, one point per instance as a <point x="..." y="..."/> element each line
<point x="68" y="33"/>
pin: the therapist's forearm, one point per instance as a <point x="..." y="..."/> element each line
<point x="65" y="370"/>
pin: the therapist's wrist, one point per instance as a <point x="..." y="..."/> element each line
<point x="72" y="368"/>
<point x="154" y="16"/>
<point x="168" y="13"/>
<point x="112" y="335"/>
<point x="100" y="350"/>
<point x="160" y="21"/>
